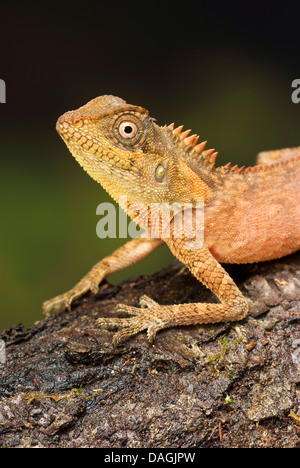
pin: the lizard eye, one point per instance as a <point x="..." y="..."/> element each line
<point x="160" y="173"/>
<point x="128" y="129"/>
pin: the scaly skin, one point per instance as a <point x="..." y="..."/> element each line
<point x="250" y="214"/>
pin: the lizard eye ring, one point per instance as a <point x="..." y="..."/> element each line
<point x="128" y="129"/>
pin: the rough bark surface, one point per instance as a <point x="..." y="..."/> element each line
<point x="225" y="385"/>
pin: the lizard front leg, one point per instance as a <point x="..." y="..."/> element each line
<point x="154" y="317"/>
<point x="121" y="258"/>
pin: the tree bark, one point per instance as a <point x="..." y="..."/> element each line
<point x="222" y="385"/>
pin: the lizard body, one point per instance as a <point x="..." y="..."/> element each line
<point x="250" y="214"/>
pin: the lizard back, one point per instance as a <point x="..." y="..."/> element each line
<point x="255" y="215"/>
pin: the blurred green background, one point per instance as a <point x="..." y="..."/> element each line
<point x="223" y="73"/>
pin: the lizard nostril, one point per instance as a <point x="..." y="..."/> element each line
<point x="74" y="120"/>
<point x="77" y="122"/>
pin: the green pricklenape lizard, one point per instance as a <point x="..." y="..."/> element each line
<point x="250" y="214"/>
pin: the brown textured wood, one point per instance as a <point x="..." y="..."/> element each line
<point x="216" y="385"/>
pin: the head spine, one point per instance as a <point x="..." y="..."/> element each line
<point x="194" y="150"/>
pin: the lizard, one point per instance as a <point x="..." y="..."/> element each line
<point x="251" y="214"/>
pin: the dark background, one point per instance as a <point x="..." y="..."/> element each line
<point x="225" y="72"/>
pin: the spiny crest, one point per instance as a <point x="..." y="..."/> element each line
<point x="229" y="168"/>
<point x="207" y="158"/>
<point x="197" y="153"/>
<point x="189" y="143"/>
<point x="258" y="168"/>
<point x="276" y="164"/>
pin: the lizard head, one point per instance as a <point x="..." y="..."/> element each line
<point x="121" y="147"/>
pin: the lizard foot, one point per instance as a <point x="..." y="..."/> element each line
<point x="59" y="303"/>
<point x="64" y="301"/>
<point x="150" y="316"/>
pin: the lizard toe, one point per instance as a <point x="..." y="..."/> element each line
<point x="130" y="310"/>
<point x="147" y="302"/>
